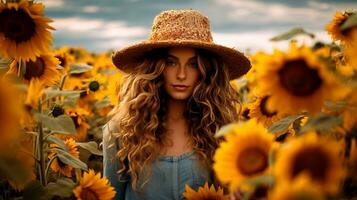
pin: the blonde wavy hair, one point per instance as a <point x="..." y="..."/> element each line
<point x="139" y="118"/>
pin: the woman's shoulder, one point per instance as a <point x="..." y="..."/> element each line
<point x="109" y="131"/>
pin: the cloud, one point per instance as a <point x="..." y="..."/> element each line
<point x="96" y="34"/>
<point x="90" y="9"/>
<point x="269" y="12"/>
<point x="52" y="3"/>
<point x="254" y="41"/>
<point x="77" y="24"/>
<point x="97" y="27"/>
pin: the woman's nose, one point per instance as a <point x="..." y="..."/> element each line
<point x="181" y="73"/>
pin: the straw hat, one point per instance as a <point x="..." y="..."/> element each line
<point x="181" y="28"/>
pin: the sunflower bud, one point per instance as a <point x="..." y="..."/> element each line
<point x="57" y="111"/>
<point x="94" y="86"/>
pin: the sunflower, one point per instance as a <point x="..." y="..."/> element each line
<point x="317" y="157"/>
<point x="286" y="135"/>
<point x="24" y="30"/>
<point x="81" y="55"/>
<point x="78" y="116"/>
<point x="244" y="154"/>
<point x="103" y="64"/>
<point x="74" y="83"/>
<point x="57" y="165"/>
<point x="333" y="28"/>
<point x="96" y="86"/>
<point x="43" y="68"/>
<point x="114" y="83"/>
<point x="64" y="58"/>
<point x="301" y="188"/>
<point x="244" y="114"/>
<point x="204" y="192"/>
<point x="350" y="51"/>
<point x="34" y="93"/>
<point x="297" y="80"/>
<point x="93" y="187"/>
<point x="261" y="112"/>
<point x="10" y="113"/>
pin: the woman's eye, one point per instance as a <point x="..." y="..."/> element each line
<point x="170" y="63"/>
<point x="194" y="64"/>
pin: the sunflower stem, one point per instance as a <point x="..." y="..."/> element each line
<point x="41" y="150"/>
<point x="49" y="165"/>
<point x="21" y="68"/>
<point x="62" y="81"/>
<point x="78" y="175"/>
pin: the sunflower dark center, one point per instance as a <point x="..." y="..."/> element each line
<point x="17" y="25"/>
<point x="57" y="111"/>
<point x="94" y="86"/>
<point x="245" y="114"/>
<point x="89" y="194"/>
<point x="252" y="161"/>
<point x="75" y="121"/>
<point x="299" y="79"/>
<point x="62" y="60"/>
<point x="260" y="192"/>
<point x="34" y="69"/>
<point x="61" y="164"/>
<point x="313" y="161"/>
<point x="263" y="107"/>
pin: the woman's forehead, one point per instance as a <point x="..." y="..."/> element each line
<point x="182" y="52"/>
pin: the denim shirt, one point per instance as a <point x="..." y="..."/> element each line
<point x="169" y="174"/>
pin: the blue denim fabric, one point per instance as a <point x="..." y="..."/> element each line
<point x="169" y="175"/>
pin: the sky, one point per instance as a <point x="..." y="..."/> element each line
<point x="247" y="25"/>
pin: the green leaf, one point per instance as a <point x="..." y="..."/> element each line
<point x="349" y="23"/>
<point x="33" y="191"/>
<point x="79" y="68"/>
<point x="108" y="72"/>
<point x="261" y="180"/>
<point x="55" y="140"/>
<point x="69" y="102"/>
<point x="322" y="122"/>
<point x="68" y="159"/>
<point x="91" y="147"/>
<point x="62" y="124"/>
<point x="50" y="93"/>
<point x="290" y="34"/>
<point x="283" y="124"/>
<point x="103" y="103"/>
<point x="225" y="130"/>
<point x="4" y="64"/>
<point x="335" y="106"/>
<point x="62" y="188"/>
<point x="5" y="61"/>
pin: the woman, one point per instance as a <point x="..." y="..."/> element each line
<point x="175" y="96"/>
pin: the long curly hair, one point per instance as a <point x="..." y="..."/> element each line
<point x="140" y="115"/>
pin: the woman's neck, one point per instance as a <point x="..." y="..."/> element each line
<point x="177" y="129"/>
<point x="176" y="109"/>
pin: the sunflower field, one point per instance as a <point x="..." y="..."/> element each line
<point x="296" y="138"/>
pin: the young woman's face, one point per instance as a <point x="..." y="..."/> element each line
<point x="181" y="73"/>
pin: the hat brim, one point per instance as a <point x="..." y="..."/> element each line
<point x="126" y="58"/>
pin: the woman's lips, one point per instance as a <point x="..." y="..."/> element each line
<point x="180" y="87"/>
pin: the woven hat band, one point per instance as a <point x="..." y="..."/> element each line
<point x="178" y="25"/>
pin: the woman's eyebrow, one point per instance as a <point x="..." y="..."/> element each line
<point x="172" y="56"/>
<point x="193" y="58"/>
